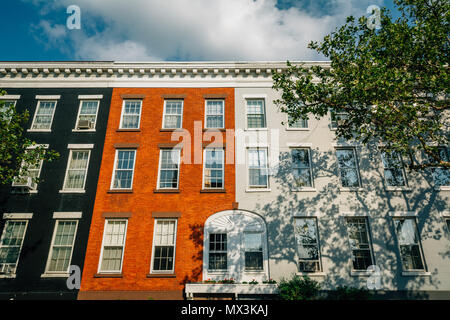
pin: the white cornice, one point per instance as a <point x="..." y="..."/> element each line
<point x="141" y="74"/>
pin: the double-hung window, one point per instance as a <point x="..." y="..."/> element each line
<point x="298" y="124"/>
<point x="62" y="246"/>
<point x="394" y="173"/>
<point x="441" y="175"/>
<point x="173" y="114"/>
<point x="113" y="246"/>
<point x="76" y="172"/>
<point x="11" y="245"/>
<point x="123" y="169"/>
<point x="256" y="113"/>
<point x="359" y="238"/>
<point x="214" y="114"/>
<point x="348" y="167"/>
<point x="169" y="168"/>
<point x="7" y="104"/>
<point x="306" y="236"/>
<point x="217" y="252"/>
<point x="409" y="244"/>
<point x="253" y="251"/>
<point x="258" y="168"/>
<point x="131" y="114"/>
<point x="43" y="116"/>
<point x="87" y="115"/>
<point x="213" y="168"/>
<point x="302" y="171"/>
<point x="29" y="179"/>
<point x="164" y="240"/>
<point x="337" y="117"/>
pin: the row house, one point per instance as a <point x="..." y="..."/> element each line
<point x="44" y="225"/>
<point x="199" y="179"/>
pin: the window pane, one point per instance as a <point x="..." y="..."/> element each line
<point x="10" y="244"/>
<point x="409" y="244"/>
<point x="213" y="170"/>
<point x="299" y="123"/>
<point x="131" y="114"/>
<point x="348" y="167"/>
<point x="76" y="171"/>
<point x="44" y="115"/>
<point x="214" y="113"/>
<point x="393" y="169"/>
<point x="173" y="114"/>
<point x="441" y="176"/>
<point x="168" y="176"/>
<point x="301" y="167"/>
<point x="124" y="169"/>
<point x="258" y="171"/>
<point x="359" y="243"/>
<point x="253" y="251"/>
<point x="255" y="113"/>
<point x="307" y="244"/>
<point x="164" y="245"/>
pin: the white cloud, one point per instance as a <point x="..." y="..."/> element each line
<point x="200" y="29"/>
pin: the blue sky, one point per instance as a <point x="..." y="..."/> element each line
<point x="187" y="30"/>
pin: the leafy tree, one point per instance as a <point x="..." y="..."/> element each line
<point x="18" y="154"/>
<point x="298" y="288"/>
<point x="388" y="85"/>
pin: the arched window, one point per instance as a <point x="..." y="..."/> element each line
<point x="235" y="246"/>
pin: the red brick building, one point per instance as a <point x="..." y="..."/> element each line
<point x="160" y="179"/>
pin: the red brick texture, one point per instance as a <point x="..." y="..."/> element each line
<point x="192" y="206"/>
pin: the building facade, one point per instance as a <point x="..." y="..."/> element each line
<point x="45" y="225"/>
<point x="202" y="180"/>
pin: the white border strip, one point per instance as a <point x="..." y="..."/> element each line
<point x="10" y="97"/>
<point x="403" y="213"/>
<point x="48" y="97"/>
<point x="90" y="96"/>
<point x="17" y="215"/>
<point x="67" y="215"/>
<point x="80" y="146"/>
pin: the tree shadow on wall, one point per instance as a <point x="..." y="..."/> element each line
<point x="330" y="201"/>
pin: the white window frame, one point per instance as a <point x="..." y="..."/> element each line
<point x="165" y="113"/>
<point x="353" y="148"/>
<point x="258" y="188"/>
<point x="262" y="238"/>
<point x="369" y="239"/>
<point x="223" y="167"/>
<point x="78" y="190"/>
<point x="405" y="186"/>
<point x="174" y="246"/>
<point x="116" y="158"/>
<point x="103" y="247"/>
<point x="206" y="114"/>
<point x="316" y="225"/>
<point x="15" y="218"/>
<point x="123" y="113"/>
<point x="78" y="115"/>
<point x="52" y="244"/>
<point x="312" y="187"/>
<point x="6" y="100"/>
<point x="247" y="98"/>
<point x="406" y="216"/>
<point x="289" y="128"/>
<point x="159" y="168"/>
<point x="35" y="190"/>
<point x="208" y="241"/>
<point x="332" y="127"/>
<point x="35" y="114"/>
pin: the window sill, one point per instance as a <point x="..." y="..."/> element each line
<point x="398" y="189"/>
<point x="351" y="189"/>
<point x="214" y="129"/>
<point x="39" y="130"/>
<point x="258" y="190"/>
<point x="161" y="275"/>
<point x="256" y="129"/>
<point x="55" y="275"/>
<point x="442" y="188"/>
<point x="108" y="275"/>
<point x="83" y="130"/>
<point x="312" y="274"/>
<point x="128" y="130"/>
<point x="415" y="273"/>
<point x="166" y="191"/>
<point x="8" y="276"/>
<point x="212" y="191"/>
<point x="297" y="129"/>
<point x="360" y="273"/>
<point x="72" y="191"/>
<point x="120" y="191"/>
<point x="304" y="190"/>
<point x="255" y="271"/>
<point x="170" y="129"/>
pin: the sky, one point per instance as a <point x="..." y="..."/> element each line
<point x="173" y="30"/>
